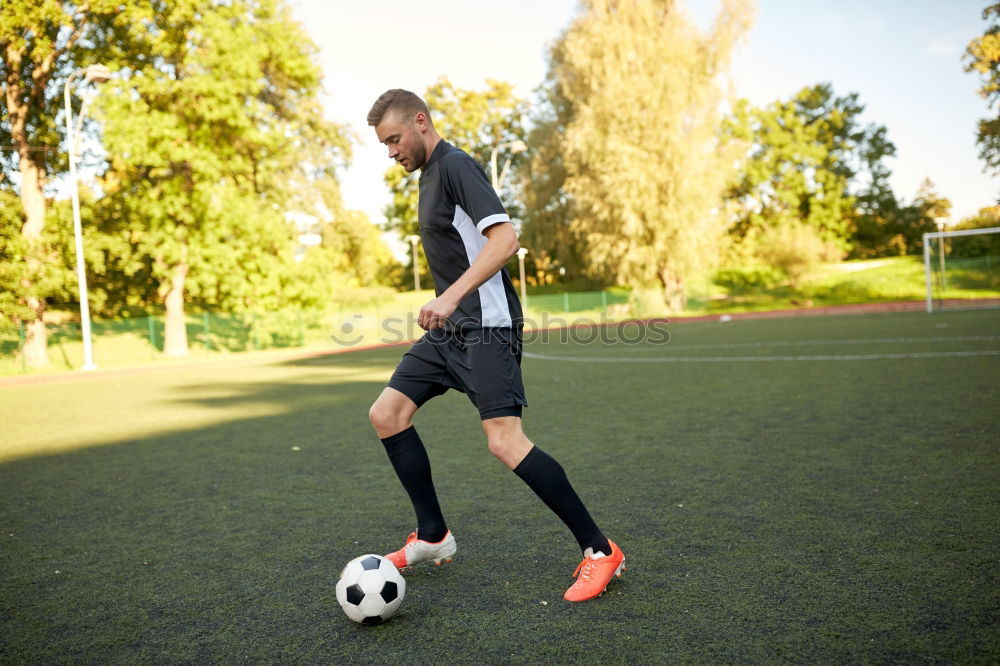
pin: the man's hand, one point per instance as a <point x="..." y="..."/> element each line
<point x="501" y="244"/>
<point x="436" y="313"/>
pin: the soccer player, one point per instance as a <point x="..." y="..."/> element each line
<point x="472" y="344"/>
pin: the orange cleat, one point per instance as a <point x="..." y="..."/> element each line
<point x="595" y="572"/>
<point x="415" y="551"/>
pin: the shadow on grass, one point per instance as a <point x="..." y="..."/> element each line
<point x="196" y="545"/>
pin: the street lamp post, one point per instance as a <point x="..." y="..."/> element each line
<point x="515" y="147"/>
<point x="96" y="74"/>
<point x="414" y="239"/>
<point x="520" y="261"/>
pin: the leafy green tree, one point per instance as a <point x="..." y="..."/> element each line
<point x="983" y="57"/>
<point x="887" y="227"/>
<point x="629" y="155"/>
<point x="41" y="43"/>
<point x="349" y="261"/>
<point x="809" y="161"/>
<point x="218" y="131"/>
<point x="474" y="121"/>
<point x="980" y="245"/>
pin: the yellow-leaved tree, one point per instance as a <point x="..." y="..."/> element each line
<point x="630" y="161"/>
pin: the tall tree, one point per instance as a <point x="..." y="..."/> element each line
<point x="810" y="162"/>
<point x="218" y="131"/>
<point x="41" y="43"/>
<point x="983" y="56"/>
<point x="634" y="135"/>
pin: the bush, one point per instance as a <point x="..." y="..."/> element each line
<point x="795" y="249"/>
<point x="749" y="278"/>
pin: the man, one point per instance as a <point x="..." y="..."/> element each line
<point x="472" y="344"/>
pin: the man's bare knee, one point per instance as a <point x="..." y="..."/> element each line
<point x="390" y="415"/>
<point x="379" y="416"/>
<point x="506" y="440"/>
<point x="498" y="444"/>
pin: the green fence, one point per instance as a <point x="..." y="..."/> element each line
<point x="584" y="301"/>
<point x="138" y="340"/>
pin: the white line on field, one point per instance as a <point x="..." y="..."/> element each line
<point x="840" y="341"/>
<point x="732" y="359"/>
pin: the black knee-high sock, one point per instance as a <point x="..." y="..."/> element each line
<point x="409" y="459"/>
<point x="548" y="479"/>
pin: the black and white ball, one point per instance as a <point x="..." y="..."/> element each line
<point x="370" y="589"/>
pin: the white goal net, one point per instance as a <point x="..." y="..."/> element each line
<point x="962" y="268"/>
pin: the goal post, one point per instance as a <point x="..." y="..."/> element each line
<point x="961" y="268"/>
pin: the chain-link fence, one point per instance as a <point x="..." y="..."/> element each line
<point x="138" y="340"/>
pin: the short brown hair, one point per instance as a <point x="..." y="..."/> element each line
<point x="401" y="101"/>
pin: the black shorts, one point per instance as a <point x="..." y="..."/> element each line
<point x="485" y="364"/>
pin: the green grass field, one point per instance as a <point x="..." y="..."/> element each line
<point x="810" y="490"/>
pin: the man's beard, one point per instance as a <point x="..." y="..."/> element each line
<point x="418" y="158"/>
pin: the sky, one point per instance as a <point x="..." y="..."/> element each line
<point x="902" y="57"/>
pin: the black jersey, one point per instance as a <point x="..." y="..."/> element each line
<point x="457" y="203"/>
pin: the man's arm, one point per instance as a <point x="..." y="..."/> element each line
<point x="501" y="244"/>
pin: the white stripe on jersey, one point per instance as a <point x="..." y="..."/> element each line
<point x="490" y="220"/>
<point x="492" y="297"/>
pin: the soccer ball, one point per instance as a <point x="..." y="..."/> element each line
<point x="370" y="589"/>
